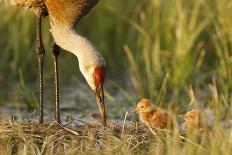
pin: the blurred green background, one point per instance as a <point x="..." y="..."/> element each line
<point x="175" y="52"/>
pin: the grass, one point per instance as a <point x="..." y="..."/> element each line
<point x="76" y="137"/>
<point x="174" y="52"/>
<point x="168" y="47"/>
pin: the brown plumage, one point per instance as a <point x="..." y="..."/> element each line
<point x="154" y="117"/>
<point x="69" y="11"/>
<point x="65" y="11"/>
<point x="37" y="6"/>
<point x="192" y="123"/>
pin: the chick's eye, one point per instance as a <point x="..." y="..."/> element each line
<point x="191" y="116"/>
<point x="141" y="106"/>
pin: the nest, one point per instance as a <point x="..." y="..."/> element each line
<point x="73" y="138"/>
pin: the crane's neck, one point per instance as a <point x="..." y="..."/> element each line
<point x="88" y="56"/>
<point x="68" y="39"/>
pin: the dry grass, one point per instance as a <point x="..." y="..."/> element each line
<point x="71" y="138"/>
<point x="118" y="138"/>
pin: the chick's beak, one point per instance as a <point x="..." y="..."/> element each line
<point x="181" y="117"/>
<point x="99" y="93"/>
<point x="134" y="110"/>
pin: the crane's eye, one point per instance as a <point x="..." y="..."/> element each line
<point x="142" y="106"/>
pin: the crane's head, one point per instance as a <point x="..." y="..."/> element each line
<point x="145" y="105"/>
<point x="94" y="74"/>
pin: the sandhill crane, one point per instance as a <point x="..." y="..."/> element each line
<point x="64" y="16"/>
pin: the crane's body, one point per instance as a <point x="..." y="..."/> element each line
<point x="64" y="16"/>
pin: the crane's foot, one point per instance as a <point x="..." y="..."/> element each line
<point x="55" y="54"/>
<point x="40" y="54"/>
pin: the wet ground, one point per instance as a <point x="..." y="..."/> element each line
<point x="77" y="102"/>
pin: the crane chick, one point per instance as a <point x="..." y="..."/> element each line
<point x="153" y="117"/>
<point x="191" y="121"/>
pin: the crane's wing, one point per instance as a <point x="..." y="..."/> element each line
<point x="37" y="6"/>
<point x="69" y="11"/>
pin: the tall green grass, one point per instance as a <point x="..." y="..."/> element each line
<point x="177" y="44"/>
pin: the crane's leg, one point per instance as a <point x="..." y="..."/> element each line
<point x="55" y="54"/>
<point x="40" y="54"/>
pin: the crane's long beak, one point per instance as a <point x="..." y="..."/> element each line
<point x="99" y="93"/>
